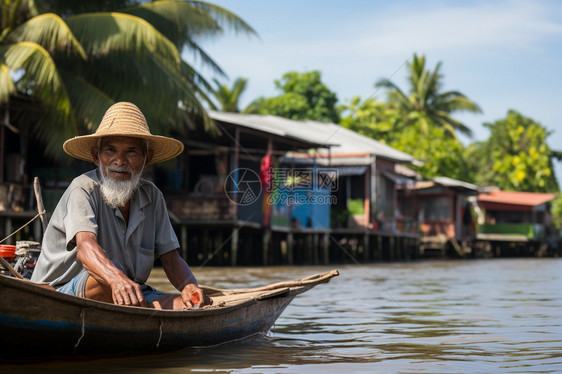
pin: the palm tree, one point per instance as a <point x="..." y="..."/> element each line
<point x="426" y="104"/>
<point x="71" y="67"/>
<point x="228" y="98"/>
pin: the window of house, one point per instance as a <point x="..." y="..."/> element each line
<point x="436" y="209"/>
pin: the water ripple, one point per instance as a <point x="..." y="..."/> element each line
<point x="483" y="316"/>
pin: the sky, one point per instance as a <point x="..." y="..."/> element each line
<point x="501" y="54"/>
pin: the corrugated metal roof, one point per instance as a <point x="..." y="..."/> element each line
<point x="273" y="125"/>
<point x="338" y="138"/>
<point x="325" y="161"/>
<point x="349" y="141"/>
<point x="398" y="179"/>
<point x="344" y="171"/>
<point x="447" y="182"/>
<point x="450" y="182"/>
<point x="516" y="198"/>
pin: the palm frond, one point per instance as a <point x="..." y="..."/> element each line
<point x="416" y="68"/>
<point x="451" y="125"/>
<point x="154" y="84"/>
<point x="100" y="33"/>
<point x="198" y="84"/>
<point x="179" y="21"/>
<point x="395" y="94"/>
<point x="182" y="22"/>
<point x="14" y="13"/>
<point x="41" y="79"/>
<point x="456" y="101"/>
<point x="225" y="18"/>
<point x="198" y="52"/>
<point x="239" y="86"/>
<point x="88" y="102"/>
<point x="49" y="31"/>
<point x="7" y="86"/>
<point x="194" y="77"/>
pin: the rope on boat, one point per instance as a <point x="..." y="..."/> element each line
<point x="83" y="315"/>
<point x="160" y="337"/>
<point x="21" y="228"/>
<point x="7" y="265"/>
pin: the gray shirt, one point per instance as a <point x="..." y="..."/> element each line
<point x="149" y="233"/>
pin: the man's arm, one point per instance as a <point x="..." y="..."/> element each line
<point x="124" y="291"/>
<point x="181" y="277"/>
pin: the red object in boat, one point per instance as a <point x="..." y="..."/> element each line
<point x="8" y="251"/>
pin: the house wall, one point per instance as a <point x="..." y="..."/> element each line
<point x="437" y="214"/>
<point x="386" y="207"/>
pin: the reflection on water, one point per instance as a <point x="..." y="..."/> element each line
<point x="438" y="316"/>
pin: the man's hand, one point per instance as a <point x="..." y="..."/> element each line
<point x="180" y="275"/>
<point x="107" y="282"/>
<point x="194" y="297"/>
<point x="126" y="292"/>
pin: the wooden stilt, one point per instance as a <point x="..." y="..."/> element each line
<point x="265" y="246"/>
<point x="366" y="246"/>
<point x="290" y="245"/>
<point x="234" y="246"/>
<point x="326" y="247"/>
<point x="315" y="249"/>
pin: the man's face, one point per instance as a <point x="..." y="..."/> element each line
<point x="121" y="157"/>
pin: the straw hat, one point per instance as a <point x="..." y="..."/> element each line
<point x="123" y="119"/>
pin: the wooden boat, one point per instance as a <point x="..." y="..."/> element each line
<point x="35" y="321"/>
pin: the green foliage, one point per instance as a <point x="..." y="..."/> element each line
<point x="304" y="97"/>
<point x="356" y="206"/>
<point x="426" y="104"/>
<point x="228" y="98"/>
<point x="441" y="154"/>
<point x="371" y="118"/>
<point x="557" y="212"/>
<point x="419" y="123"/>
<point x="74" y="64"/>
<point x="515" y="157"/>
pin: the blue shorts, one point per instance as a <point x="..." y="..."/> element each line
<point x="77" y="287"/>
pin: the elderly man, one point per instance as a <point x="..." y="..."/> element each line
<point x="110" y="224"/>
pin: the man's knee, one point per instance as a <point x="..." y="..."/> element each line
<point x="98" y="291"/>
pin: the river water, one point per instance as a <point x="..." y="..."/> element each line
<point x="475" y="316"/>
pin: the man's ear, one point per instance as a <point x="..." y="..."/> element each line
<point x="95" y="153"/>
<point x="149" y="155"/>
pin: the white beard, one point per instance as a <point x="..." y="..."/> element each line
<point x="116" y="193"/>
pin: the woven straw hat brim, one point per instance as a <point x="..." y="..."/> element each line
<point x="124" y="119"/>
<point x="163" y="148"/>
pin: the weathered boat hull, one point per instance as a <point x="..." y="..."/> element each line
<point x="35" y="321"/>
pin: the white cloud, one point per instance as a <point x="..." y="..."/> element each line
<point x="498" y="24"/>
<point x="501" y="54"/>
<point x="498" y="53"/>
<point x="402" y="30"/>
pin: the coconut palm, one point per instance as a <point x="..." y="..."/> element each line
<point x="227" y="97"/>
<point x="426" y="104"/>
<point x="71" y="66"/>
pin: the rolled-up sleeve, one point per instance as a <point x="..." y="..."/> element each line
<point x="80" y="216"/>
